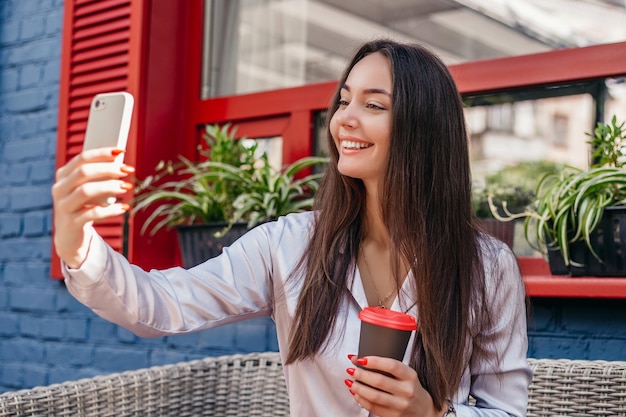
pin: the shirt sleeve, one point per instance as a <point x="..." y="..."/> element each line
<point x="500" y="374"/>
<point x="234" y="286"/>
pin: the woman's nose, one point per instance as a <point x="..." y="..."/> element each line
<point x="347" y="117"/>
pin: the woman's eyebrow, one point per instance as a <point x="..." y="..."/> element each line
<point x="377" y="91"/>
<point x="369" y="90"/>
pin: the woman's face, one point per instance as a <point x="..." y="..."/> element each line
<point x="361" y="125"/>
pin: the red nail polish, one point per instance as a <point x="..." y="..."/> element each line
<point x="126" y="185"/>
<point x="116" y="152"/>
<point x="350" y="371"/>
<point x="348" y="382"/>
<point x="362" y="361"/>
<point x="351" y="392"/>
<point x="350" y="356"/>
<point x="127" y="169"/>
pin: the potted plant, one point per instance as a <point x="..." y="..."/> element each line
<point x="577" y="219"/>
<point x="230" y="189"/>
<point x="503" y="231"/>
<point x="511" y="190"/>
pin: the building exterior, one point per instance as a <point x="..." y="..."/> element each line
<point x="46" y="336"/>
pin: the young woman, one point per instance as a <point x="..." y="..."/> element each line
<point x="393" y="226"/>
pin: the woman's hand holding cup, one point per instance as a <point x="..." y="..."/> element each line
<point x="382" y="383"/>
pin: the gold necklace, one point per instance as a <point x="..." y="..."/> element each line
<point x="383" y="300"/>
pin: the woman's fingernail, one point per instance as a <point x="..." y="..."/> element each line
<point x="348" y="382"/>
<point x="116" y="152"/>
<point x="362" y="361"/>
<point x="350" y="356"/>
<point x="127" y="169"/>
<point x="350" y="371"/>
<point x="125" y="206"/>
<point x="126" y="185"/>
<point x="351" y="392"/>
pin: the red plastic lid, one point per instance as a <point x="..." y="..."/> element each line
<point x="388" y="318"/>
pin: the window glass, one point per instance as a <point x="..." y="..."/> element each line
<point x="272" y="147"/>
<point x="530" y="130"/>
<point x="259" y="45"/>
<point x="320" y="146"/>
<point x="615" y="99"/>
<point x="541" y="124"/>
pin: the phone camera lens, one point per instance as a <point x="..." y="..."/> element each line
<point x="97" y="103"/>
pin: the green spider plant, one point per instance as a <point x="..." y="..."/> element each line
<point x="569" y="205"/>
<point x="270" y="193"/>
<point x="231" y="185"/>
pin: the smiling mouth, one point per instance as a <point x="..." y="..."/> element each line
<point x="349" y="144"/>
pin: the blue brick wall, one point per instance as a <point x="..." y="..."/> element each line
<point x="577" y="328"/>
<point x="46" y="336"/>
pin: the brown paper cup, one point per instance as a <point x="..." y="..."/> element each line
<point x="384" y="333"/>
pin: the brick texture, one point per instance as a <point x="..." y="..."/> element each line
<point x="47" y="336"/>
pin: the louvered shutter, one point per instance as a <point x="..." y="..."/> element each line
<point x="97" y="57"/>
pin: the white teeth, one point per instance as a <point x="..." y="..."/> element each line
<point x="348" y="144"/>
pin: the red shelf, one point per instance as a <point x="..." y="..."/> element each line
<point x="541" y="283"/>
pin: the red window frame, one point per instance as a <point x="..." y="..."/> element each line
<point x="166" y="45"/>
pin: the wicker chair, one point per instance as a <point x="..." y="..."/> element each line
<point x="237" y="385"/>
<point x="577" y="388"/>
<point x="253" y="385"/>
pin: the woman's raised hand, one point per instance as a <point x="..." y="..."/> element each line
<point x="79" y="197"/>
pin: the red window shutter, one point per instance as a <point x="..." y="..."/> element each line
<point x="97" y="56"/>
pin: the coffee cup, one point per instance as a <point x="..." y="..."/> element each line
<point x="384" y="333"/>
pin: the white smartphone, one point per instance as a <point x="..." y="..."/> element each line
<point x="109" y="120"/>
<point x="109" y="123"/>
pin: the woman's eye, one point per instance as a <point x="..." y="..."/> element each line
<point x="343" y="103"/>
<point x="374" y="106"/>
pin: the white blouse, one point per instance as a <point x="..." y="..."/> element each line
<point x="249" y="280"/>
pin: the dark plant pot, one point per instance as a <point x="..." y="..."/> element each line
<point x="503" y="231"/>
<point x="609" y="242"/>
<point x="198" y="242"/>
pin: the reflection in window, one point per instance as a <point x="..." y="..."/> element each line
<point x="551" y="129"/>
<point x="272" y="146"/>
<point x="500" y="118"/>
<point x="258" y="45"/>
<point x="320" y="143"/>
<point x="560" y="128"/>
<point x="615" y="100"/>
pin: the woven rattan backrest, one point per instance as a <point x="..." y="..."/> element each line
<point x="577" y="388"/>
<point x="253" y="385"/>
<point x="237" y="385"/>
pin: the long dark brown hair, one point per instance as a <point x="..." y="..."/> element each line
<point x="426" y="206"/>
